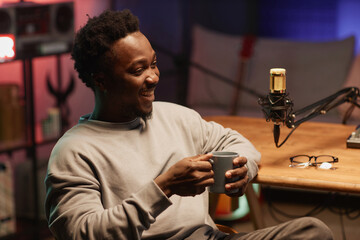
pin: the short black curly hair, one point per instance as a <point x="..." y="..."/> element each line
<point x="92" y="46"/>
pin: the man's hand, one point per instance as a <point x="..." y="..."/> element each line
<point x="187" y="177"/>
<point x="241" y="172"/>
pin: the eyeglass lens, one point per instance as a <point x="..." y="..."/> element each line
<point x="305" y="160"/>
<point x="324" y="158"/>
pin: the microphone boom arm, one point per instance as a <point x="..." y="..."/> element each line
<point x="283" y="112"/>
<point x="323" y="106"/>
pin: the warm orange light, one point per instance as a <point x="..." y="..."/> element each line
<point x="7" y="47"/>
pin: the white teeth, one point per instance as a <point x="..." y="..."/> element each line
<point x="147" y="93"/>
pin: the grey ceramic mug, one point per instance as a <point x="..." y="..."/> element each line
<point x="222" y="162"/>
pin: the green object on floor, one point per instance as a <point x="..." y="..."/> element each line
<point x="242" y="211"/>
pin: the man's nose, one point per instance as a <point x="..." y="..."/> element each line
<point x="153" y="76"/>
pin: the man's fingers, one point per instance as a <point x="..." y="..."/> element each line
<point x="206" y="181"/>
<point x="202" y="157"/>
<point x="237" y="172"/>
<point x="238" y="184"/>
<point x="240" y="161"/>
<point x="201" y="162"/>
<point x="202" y="166"/>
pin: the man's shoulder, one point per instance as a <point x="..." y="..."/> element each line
<point x="174" y="113"/>
<point x="162" y="104"/>
<point x="168" y="107"/>
<point x="77" y="134"/>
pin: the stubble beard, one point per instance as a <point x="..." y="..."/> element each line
<point x="147" y="116"/>
<point x="144" y="115"/>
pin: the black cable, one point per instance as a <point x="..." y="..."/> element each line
<point x="348" y="113"/>
<point x="331" y="202"/>
<point x="316" y="210"/>
<point x="353" y="217"/>
<point x="346" y="205"/>
<point x="349" y="211"/>
<point x="287" y="137"/>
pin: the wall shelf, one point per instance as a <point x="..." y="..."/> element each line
<point x="35" y="227"/>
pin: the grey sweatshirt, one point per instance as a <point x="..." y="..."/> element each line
<point x="100" y="176"/>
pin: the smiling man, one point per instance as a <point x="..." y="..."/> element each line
<point x="135" y="168"/>
<point x="127" y="91"/>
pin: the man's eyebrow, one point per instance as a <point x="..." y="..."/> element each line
<point x="141" y="60"/>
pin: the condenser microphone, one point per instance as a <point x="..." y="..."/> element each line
<point x="277" y="105"/>
<point x="277" y="98"/>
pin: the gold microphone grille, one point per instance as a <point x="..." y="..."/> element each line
<point x="277" y="80"/>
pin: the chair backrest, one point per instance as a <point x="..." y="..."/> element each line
<point x="314" y="70"/>
<point x="353" y="80"/>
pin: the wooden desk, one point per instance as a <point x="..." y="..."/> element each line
<point x="310" y="138"/>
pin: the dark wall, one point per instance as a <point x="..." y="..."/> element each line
<point x="168" y="24"/>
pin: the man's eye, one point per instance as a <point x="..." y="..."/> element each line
<point x="138" y="71"/>
<point x="154" y="64"/>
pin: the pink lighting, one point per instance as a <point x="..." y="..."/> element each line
<point x="7" y="47"/>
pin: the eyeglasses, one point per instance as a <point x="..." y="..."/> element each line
<point x="321" y="161"/>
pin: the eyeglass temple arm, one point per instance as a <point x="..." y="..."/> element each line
<point x="321" y="107"/>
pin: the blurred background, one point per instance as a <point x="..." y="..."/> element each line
<point x="214" y="56"/>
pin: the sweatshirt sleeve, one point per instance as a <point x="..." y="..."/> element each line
<point x="218" y="138"/>
<point x="74" y="205"/>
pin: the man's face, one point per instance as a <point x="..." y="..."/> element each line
<point x="131" y="84"/>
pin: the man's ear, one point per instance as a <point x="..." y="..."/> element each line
<point x="99" y="81"/>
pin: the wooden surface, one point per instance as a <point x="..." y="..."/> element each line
<point x="311" y="138"/>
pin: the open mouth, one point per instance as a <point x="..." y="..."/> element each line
<point x="148" y="93"/>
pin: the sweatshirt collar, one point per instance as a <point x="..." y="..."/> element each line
<point x="135" y="123"/>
